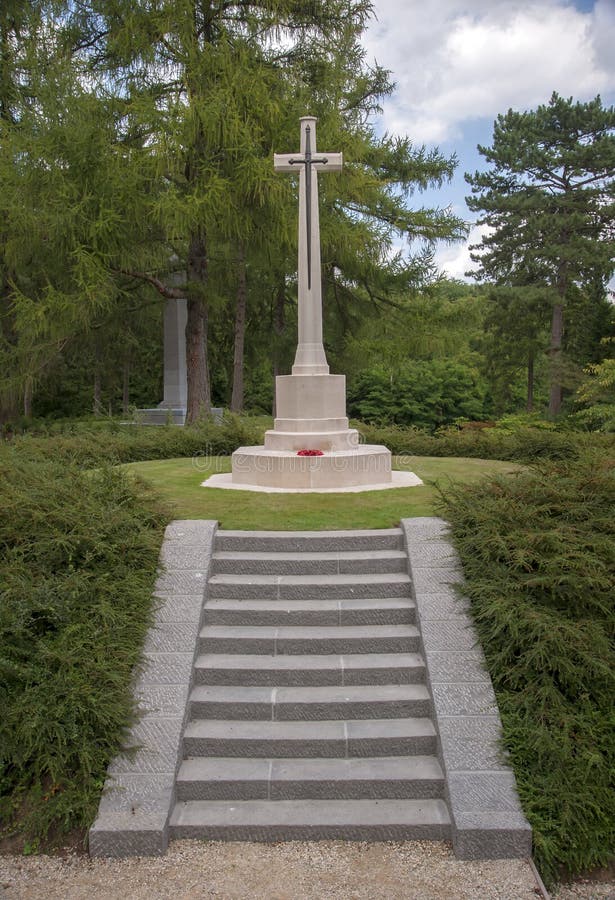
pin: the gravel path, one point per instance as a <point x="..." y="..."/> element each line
<point x="285" y="871"/>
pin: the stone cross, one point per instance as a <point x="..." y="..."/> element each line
<point x="310" y="358"/>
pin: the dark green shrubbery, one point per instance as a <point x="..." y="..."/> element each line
<point x="116" y="443"/>
<point x="423" y="393"/>
<point x="538" y="551"/>
<point x="112" y="443"/>
<point x="78" y="555"/>
<point x="524" y="444"/>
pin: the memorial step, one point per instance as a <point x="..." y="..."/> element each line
<point x="307" y="639"/>
<point x="311" y="820"/>
<point x="386" y="701"/>
<point x="349" y="562"/>
<point x="308" y="541"/>
<point x="307" y="587"/>
<point x="299" y="670"/>
<point x="262" y="739"/>
<point x="230" y="778"/>
<point x="357" y="611"/>
<point x="309" y="712"/>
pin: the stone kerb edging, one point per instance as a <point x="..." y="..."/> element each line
<point x="487" y="819"/>
<point x="139" y="793"/>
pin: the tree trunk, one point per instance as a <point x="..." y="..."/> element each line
<point x="27" y="398"/>
<point x="555" y="357"/>
<point x="126" y="385"/>
<point x="199" y="396"/>
<point x="9" y="409"/>
<point x="240" y="333"/>
<point x="199" y="391"/>
<point x="530" y="382"/>
<point x="278" y="329"/>
<point x="9" y="402"/>
<point x="97" y="404"/>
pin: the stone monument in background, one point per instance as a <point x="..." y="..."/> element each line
<point x="172" y="409"/>
<point x="310" y="402"/>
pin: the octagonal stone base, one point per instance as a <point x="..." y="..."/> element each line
<point x="364" y="464"/>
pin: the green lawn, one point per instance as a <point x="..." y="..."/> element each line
<point x="179" y="482"/>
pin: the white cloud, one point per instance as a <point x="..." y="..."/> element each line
<point x="455" y="60"/>
<point x="454" y="259"/>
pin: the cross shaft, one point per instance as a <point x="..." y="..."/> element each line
<point x="310" y="357"/>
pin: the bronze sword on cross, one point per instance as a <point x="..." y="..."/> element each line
<point x="308" y="161"/>
<point x="310" y="352"/>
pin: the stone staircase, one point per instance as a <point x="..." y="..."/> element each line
<point x="309" y="715"/>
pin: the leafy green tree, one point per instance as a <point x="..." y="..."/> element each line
<point x="216" y="93"/>
<point x="549" y="200"/>
<point x="19" y="28"/>
<point x="147" y="157"/>
<point x="424" y="393"/>
<point x="596" y="394"/>
<point x="440" y="320"/>
<point x="515" y="331"/>
<point x="59" y="203"/>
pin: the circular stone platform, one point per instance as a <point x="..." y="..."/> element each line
<point x="398" y="480"/>
<point x="358" y="466"/>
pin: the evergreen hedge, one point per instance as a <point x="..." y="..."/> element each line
<point x="78" y="557"/>
<point x="538" y="552"/>
<point x="110" y="442"/>
<point x="523" y="444"/>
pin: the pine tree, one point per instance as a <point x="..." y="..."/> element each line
<point x="549" y="199"/>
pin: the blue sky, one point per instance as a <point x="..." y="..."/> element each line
<point x="457" y="64"/>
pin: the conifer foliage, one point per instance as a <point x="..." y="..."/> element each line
<point x="153" y="166"/>
<point x="549" y="200"/>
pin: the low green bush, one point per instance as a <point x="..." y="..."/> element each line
<point x="78" y="557"/>
<point x="520" y="421"/>
<point x="523" y="444"/>
<point x="538" y="551"/>
<point x="114" y="444"/>
<point x="110" y="442"/>
<point x="423" y="393"/>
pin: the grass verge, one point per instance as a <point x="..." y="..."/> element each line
<point x="538" y="552"/>
<point x="178" y="481"/>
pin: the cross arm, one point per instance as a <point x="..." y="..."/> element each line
<point x="335" y="162"/>
<point x="282" y="162"/>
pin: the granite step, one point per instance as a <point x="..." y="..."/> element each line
<point x="266" y="740"/>
<point x="386" y="701"/>
<point x="301" y="640"/>
<point x="291" y="670"/>
<point x="310" y="717"/>
<point x="298" y="820"/>
<point x="308" y="587"/>
<point x="231" y="778"/>
<point x="308" y="541"/>
<point x="352" y="562"/>
<point x="357" y="611"/>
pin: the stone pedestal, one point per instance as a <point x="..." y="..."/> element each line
<point x="311" y="416"/>
<point x="364" y="464"/>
